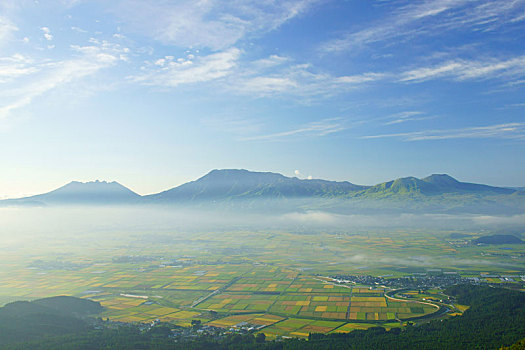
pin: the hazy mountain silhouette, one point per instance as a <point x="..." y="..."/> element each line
<point x="243" y="184"/>
<point x="436" y="184"/>
<point x="435" y="193"/>
<point x="75" y="192"/>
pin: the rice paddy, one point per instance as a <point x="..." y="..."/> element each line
<point x="232" y="279"/>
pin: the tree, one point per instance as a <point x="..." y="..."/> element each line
<point x="260" y="338"/>
<point x="196" y="324"/>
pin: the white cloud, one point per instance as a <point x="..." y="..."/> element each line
<point x="431" y="72"/>
<point x="294" y="80"/>
<point x="15" y="66"/>
<point x="468" y="70"/>
<point x="269" y="76"/>
<point x="48" y="75"/>
<point x="78" y="30"/>
<point x="267" y="85"/>
<point x="360" y="78"/>
<point x="270" y="62"/>
<point x="406" y="116"/>
<point x="171" y="72"/>
<point x="317" y="128"/>
<point x="214" y="24"/>
<point x="47" y="33"/>
<point x="7" y="28"/>
<point x="515" y="105"/>
<point x="429" y="18"/>
<point x="281" y="76"/>
<point x="503" y="131"/>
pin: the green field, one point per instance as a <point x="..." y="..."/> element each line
<point x="272" y="279"/>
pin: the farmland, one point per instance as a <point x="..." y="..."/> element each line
<point x="276" y="282"/>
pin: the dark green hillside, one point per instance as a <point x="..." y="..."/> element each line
<point x="402" y="186"/>
<point x="23" y="320"/>
<point x="70" y="306"/>
<point x="498" y="239"/>
<point x="436" y="184"/>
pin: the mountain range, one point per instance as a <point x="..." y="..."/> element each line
<point x="238" y="187"/>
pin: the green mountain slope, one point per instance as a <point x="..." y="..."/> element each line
<point x="243" y="189"/>
<point x="233" y="184"/>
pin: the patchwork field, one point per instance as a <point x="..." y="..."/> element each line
<point x="229" y="302"/>
<point x="256" y="320"/>
<point x="238" y="278"/>
<point x="297" y="327"/>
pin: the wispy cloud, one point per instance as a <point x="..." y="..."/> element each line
<point x="295" y="79"/>
<point x="304" y="80"/>
<point x="214" y="24"/>
<point x="15" y="66"/>
<point x="361" y="78"/>
<point x="468" y="70"/>
<point x="430" y="17"/>
<point x="318" y="128"/>
<point x="7" y="28"/>
<point x="78" y="29"/>
<point x="270" y="76"/>
<point x="407" y="116"/>
<point x="171" y="72"/>
<point x="270" y="62"/>
<point x="502" y="131"/>
<point x="49" y="75"/>
<point x="233" y="124"/>
<point x="282" y="76"/>
<point x="514" y="105"/>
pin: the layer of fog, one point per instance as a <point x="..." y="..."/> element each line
<point x="32" y="232"/>
<point x="23" y="223"/>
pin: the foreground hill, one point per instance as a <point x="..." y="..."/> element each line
<point x="498" y="239"/>
<point x="24" y="320"/>
<point x="243" y="189"/>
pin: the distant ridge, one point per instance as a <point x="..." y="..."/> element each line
<point x="435" y="184"/>
<point x="240" y="183"/>
<point x="75" y="192"/>
<point x="242" y="188"/>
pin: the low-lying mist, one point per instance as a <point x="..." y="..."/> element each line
<point x="21" y="224"/>
<point x="307" y="240"/>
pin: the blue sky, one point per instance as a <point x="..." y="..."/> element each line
<point x="156" y="93"/>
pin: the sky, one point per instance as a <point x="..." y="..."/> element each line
<point x="155" y="93"/>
